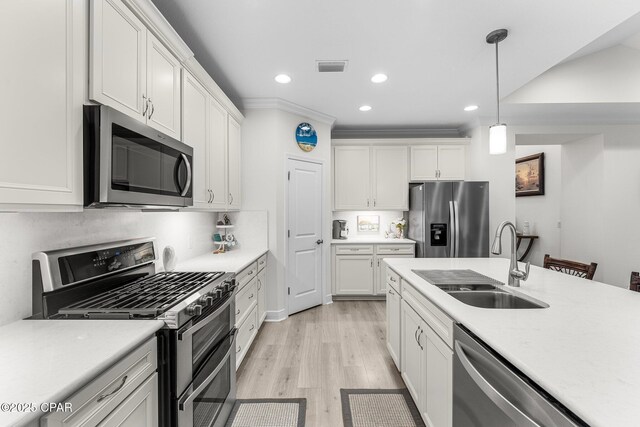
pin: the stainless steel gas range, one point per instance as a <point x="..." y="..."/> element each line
<point x="196" y="367"/>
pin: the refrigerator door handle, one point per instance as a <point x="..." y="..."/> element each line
<point x="457" y="228"/>
<point x="452" y="229"/>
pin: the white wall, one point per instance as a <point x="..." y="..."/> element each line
<point x="499" y="170"/>
<point x="22" y="234"/>
<point x="542" y="212"/>
<point x="352" y="221"/>
<point x="582" y="204"/>
<point x="268" y="137"/>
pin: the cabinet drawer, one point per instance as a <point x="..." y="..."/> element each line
<point x="245" y="276"/>
<point x="246" y="333"/>
<point x="94" y="402"/>
<point x="395" y="249"/>
<point x="245" y="300"/>
<point x="354" y="249"/>
<point x="432" y="315"/>
<point x="393" y="280"/>
<point x="262" y="262"/>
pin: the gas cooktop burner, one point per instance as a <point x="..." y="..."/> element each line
<point x="148" y="297"/>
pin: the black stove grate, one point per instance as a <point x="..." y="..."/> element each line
<point x="149" y="296"/>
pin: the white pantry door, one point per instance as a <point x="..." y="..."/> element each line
<point x="304" y="258"/>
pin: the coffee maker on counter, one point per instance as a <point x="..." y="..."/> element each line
<point x="340" y="229"/>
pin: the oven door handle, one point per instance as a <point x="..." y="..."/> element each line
<point x="209" y="318"/>
<point x="188" y="398"/>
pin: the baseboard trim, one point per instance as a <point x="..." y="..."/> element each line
<point x="327" y="299"/>
<point x="359" y="298"/>
<point x="276" y="315"/>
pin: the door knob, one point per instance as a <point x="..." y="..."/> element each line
<point x="319" y="241"/>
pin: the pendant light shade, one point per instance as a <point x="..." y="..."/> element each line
<point x="497" y="132"/>
<point x="498" y="139"/>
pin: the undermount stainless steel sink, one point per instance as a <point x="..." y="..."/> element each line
<point x="496" y="299"/>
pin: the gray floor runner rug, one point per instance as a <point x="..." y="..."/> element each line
<point x="379" y="408"/>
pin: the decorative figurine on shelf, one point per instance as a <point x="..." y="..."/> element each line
<point x="224" y="239"/>
<point x="399" y="225"/>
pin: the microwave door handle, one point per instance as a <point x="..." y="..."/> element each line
<point x="505" y="405"/>
<point x="188" y="165"/>
<point x="189" y="397"/>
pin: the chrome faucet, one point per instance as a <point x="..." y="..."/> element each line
<point x="515" y="275"/>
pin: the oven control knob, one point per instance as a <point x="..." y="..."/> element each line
<point x="206" y="300"/>
<point x="218" y="293"/>
<point x="227" y="286"/>
<point x="194" y="310"/>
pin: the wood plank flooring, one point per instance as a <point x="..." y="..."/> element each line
<point x="315" y="353"/>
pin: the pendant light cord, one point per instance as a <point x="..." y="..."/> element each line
<point x="497" y="86"/>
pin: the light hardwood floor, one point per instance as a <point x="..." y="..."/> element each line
<point x="315" y="353"/>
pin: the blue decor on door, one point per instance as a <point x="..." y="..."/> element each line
<point x="306" y="137"/>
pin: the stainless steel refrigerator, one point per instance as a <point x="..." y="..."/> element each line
<point x="449" y="219"/>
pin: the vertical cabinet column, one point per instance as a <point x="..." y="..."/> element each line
<point x="218" y="155"/>
<point x="234" y="167"/>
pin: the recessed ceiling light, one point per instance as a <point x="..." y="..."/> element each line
<point x="471" y="108"/>
<point x="379" y="78"/>
<point x="283" y="78"/>
<point x="365" y="108"/>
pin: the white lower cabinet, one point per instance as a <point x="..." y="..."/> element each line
<point x="359" y="270"/>
<point x="426" y="358"/>
<point x="251" y="309"/>
<point x="246" y="333"/>
<point x="124" y="395"/>
<point x="262" y="296"/>
<point x="393" y="307"/>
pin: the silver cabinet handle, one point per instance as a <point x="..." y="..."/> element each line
<point x="250" y="296"/>
<point x="252" y="327"/>
<point x="371" y="262"/>
<point x="213" y="196"/>
<point x="146" y="105"/>
<point x="392" y="279"/>
<point x="378" y="262"/>
<point x="415" y="334"/>
<point x="230" y="198"/>
<point x="319" y="242"/>
<point x="367" y="202"/>
<point x="419" y="335"/>
<point x="374" y="203"/>
<point x="519" y="417"/>
<point x="391" y="292"/>
<point x="259" y="284"/>
<point x="153" y="108"/>
<point x="250" y="273"/>
<point x="239" y="348"/>
<point x="104" y="396"/>
<point x="238" y="312"/>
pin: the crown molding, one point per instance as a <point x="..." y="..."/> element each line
<point x="289" y="107"/>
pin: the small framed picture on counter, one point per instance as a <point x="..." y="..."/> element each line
<point x="368" y="223"/>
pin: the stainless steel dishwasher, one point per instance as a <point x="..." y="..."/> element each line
<point x="488" y="392"/>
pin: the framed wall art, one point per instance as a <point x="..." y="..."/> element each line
<point x="530" y="175"/>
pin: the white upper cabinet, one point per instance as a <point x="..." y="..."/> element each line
<point x="424" y="163"/>
<point x="437" y="162"/>
<point x="218" y="177"/>
<point x="195" y="110"/>
<point x="352" y="178"/>
<point x="234" y="150"/>
<point x="390" y="178"/>
<point x="42" y="81"/>
<point x="131" y="70"/>
<point x="117" y="57"/>
<point x="163" y="88"/>
<point x="451" y="162"/>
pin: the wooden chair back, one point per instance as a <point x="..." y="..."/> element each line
<point x="634" y="283"/>
<point x="573" y="268"/>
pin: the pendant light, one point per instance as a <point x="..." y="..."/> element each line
<point x="497" y="132"/>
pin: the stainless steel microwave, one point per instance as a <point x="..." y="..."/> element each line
<point x="128" y="163"/>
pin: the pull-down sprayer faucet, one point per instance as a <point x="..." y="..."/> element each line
<point x="515" y="275"/>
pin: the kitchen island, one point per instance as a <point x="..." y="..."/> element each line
<point x="583" y="349"/>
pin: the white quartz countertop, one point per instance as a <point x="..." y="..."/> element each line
<point x="369" y="240"/>
<point x="48" y="360"/>
<point x="584" y="349"/>
<point x="233" y="261"/>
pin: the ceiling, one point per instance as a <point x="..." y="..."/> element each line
<point x="434" y="53"/>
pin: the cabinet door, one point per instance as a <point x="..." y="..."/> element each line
<point x="195" y="103"/>
<point x="235" y="140"/>
<point x="381" y="272"/>
<point x="390" y="178"/>
<point x="451" y="162"/>
<point x="411" y="353"/>
<point x="393" y="326"/>
<point x="163" y="88"/>
<point x="42" y="82"/>
<point x="351" y="178"/>
<point x="424" y="163"/>
<point x="438" y="391"/>
<point x="118" y="57"/>
<point x="140" y="409"/>
<point x="354" y="274"/>
<point x="262" y="300"/>
<point x="217" y="157"/>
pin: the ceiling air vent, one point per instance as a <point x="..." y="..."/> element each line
<point x="331" y="66"/>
